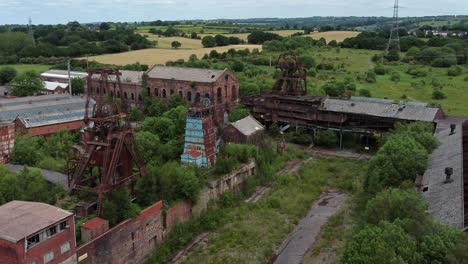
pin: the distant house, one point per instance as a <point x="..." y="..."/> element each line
<point x="55" y="87"/>
<point x="245" y="131"/>
<point x="33" y="232"/>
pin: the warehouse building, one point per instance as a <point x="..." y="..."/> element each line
<point x="36" y="233"/>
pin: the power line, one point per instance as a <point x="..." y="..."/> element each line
<point x="393" y="45"/>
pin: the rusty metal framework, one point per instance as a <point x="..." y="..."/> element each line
<point x="107" y="158"/>
<point x="292" y="80"/>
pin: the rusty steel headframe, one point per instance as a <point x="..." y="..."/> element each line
<point x="293" y="77"/>
<point x="108" y="157"/>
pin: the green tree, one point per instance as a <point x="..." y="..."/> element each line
<point x="59" y="144"/>
<point x="400" y="158"/>
<point x="104" y="26"/>
<point x="238" y="113"/>
<point x="208" y="42"/>
<point x="161" y="126"/>
<point x="78" y="85"/>
<point x="149" y="146"/>
<point x="386" y="243"/>
<point x="365" y="93"/>
<point x="438" y="94"/>
<point x="392" y="204"/>
<point x="118" y="206"/>
<point x="221" y="40"/>
<point x="27" y="84"/>
<point x="26" y="185"/>
<point x="176" y="44"/>
<point x="7" y="74"/>
<point x="27" y="150"/>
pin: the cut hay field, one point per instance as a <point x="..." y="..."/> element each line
<point x="161" y="56"/>
<point x="329" y="36"/>
<point x="339" y="36"/>
<point x="165" y="42"/>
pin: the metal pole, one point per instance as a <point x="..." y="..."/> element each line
<point x="69" y="78"/>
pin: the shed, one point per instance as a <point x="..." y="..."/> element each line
<point x="245" y="131"/>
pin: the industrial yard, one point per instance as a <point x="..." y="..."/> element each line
<point x="314" y="139"/>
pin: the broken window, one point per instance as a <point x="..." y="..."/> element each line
<point x="156" y="92"/>
<point x="189" y="96"/>
<point x="234" y="92"/>
<point x="33" y="241"/>
<point x="133" y="96"/>
<point x="63" y="225"/>
<point x="164" y="93"/>
<point x="51" y="231"/>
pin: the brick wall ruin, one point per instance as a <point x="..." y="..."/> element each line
<point x="7" y="141"/>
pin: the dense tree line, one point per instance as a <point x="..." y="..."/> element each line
<point x="72" y="40"/>
<point x="396" y="217"/>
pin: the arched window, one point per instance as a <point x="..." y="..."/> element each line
<point x="118" y="94"/>
<point x="164" y="93"/>
<point x="207" y="96"/>
<point x="97" y="90"/>
<point x="189" y="96"/>
<point x="156" y="92"/>
<point x="181" y="94"/>
<point x="139" y="98"/>
<point x="148" y="90"/>
<point x="111" y="93"/>
<point x="125" y="95"/>
<point x="133" y="96"/>
<point x="104" y="91"/>
<point x="234" y="93"/>
<point x="197" y="98"/>
<point x="219" y="95"/>
<point x="172" y="91"/>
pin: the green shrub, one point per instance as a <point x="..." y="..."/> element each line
<point x="395" y="77"/>
<point x="379" y="69"/>
<point x="455" y="71"/>
<point x="326" y="138"/>
<point x="417" y="72"/>
<point x="370" y="77"/>
<point x="438" y="95"/>
<point x="365" y="93"/>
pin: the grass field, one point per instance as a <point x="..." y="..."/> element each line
<point x="255" y="230"/>
<point x="354" y="62"/>
<point x="161" y="56"/>
<point x="28" y="67"/>
<point x="339" y="36"/>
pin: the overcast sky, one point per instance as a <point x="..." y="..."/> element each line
<point x="62" y="11"/>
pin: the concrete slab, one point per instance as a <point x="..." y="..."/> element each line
<point x="306" y="233"/>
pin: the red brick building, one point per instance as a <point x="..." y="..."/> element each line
<point x="220" y="86"/>
<point x="131" y="84"/>
<point x="36" y="233"/>
<point x="193" y="85"/>
<point x="44" y="115"/>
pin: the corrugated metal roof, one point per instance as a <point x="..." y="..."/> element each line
<point x="63" y="74"/>
<point x="20" y="219"/>
<point x="446" y="199"/>
<point x="185" y="74"/>
<point x="248" y="125"/>
<point x="132" y="77"/>
<point x="393" y="110"/>
<point x="55" y="105"/>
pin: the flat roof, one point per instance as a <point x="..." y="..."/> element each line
<point x="248" y="125"/>
<point x="446" y="199"/>
<point x="20" y="219"/>
<point x="381" y="109"/>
